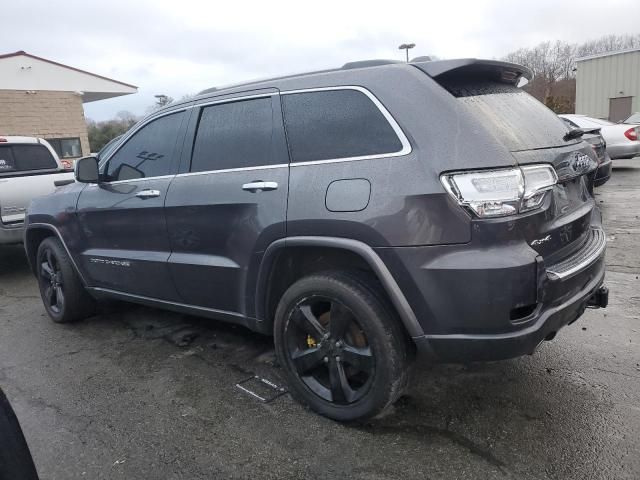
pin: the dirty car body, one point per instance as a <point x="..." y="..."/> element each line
<point x="465" y="208"/>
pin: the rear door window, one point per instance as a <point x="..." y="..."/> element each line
<point x="515" y="118"/>
<point x="25" y="157"/>
<point x="335" y="124"/>
<point x="237" y="134"/>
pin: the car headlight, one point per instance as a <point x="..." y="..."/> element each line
<point x="501" y="192"/>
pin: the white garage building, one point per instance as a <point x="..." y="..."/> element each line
<point x="608" y="84"/>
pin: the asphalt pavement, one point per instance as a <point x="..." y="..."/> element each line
<point x="138" y="393"/>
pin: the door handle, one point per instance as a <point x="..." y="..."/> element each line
<point x="144" y="194"/>
<point x="260" y="185"/>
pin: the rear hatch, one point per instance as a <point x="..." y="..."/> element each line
<point x="26" y="171"/>
<point x="533" y="134"/>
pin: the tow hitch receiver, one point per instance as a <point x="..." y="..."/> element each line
<point x="600" y="299"/>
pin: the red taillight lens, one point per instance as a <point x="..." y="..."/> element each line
<point x="632" y="134"/>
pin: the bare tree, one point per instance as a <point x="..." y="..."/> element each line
<point x="608" y="44"/>
<point x="554" y="66"/>
<point x="127" y="117"/>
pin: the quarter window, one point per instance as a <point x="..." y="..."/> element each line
<point x="234" y="135"/>
<point x="335" y="124"/>
<point x="149" y="152"/>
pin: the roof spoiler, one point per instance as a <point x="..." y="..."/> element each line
<point x="503" y="72"/>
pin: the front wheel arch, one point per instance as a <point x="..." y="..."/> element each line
<point x="35" y="234"/>
<point x="33" y="237"/>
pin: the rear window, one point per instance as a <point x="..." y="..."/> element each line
<point x="515" y="118"/>
<point x="336" y="124"/>
<point x="23" y="158"/>
<point x="635" y="118"/>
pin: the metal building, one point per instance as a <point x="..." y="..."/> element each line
<point x="608" y="84"/>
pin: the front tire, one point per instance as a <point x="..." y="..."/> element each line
<point x="342" y="347"/>
<point x="63" y="295"/>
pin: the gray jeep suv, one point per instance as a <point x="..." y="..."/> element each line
<point x="360" y="215"/>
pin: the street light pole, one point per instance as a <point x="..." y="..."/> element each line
<point x="162" y="100"/>
<point x="406" y="47"/>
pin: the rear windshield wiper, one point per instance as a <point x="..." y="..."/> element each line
<point x="579" y="132"/>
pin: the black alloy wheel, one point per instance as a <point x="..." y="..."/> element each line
<point x="63" y="295"/>
<point x="329" y="350"/>
<point x="341" y="346"/>
<point x="51" y="282"/>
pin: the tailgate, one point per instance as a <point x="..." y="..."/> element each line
<point x="534" y="135"/>
<point x="567" y="221"/>
<point x="17" y="192"/>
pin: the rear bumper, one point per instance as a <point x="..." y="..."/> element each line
<point x="9" y="235"/>
<point x="467" y="348"/>
<point x="604" y="172"/>
<point x="480" y="303"/>
<point x="624" y="150"/>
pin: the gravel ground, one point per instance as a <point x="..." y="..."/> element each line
<point x="139" y="393"/>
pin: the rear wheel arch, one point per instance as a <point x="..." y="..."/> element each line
<point x="287" y="260"/>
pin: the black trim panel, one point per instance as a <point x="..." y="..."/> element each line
<point x="363" y="250"/>
<point x="222" y="315"/>
<point x="47" y="226"/>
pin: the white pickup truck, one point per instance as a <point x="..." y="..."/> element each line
<point x="29" y="168"/>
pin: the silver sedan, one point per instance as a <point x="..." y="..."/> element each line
<point x="623" y="140"/>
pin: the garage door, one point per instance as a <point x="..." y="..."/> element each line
<point x="619" y="108"/>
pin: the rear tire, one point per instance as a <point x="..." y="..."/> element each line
<point x="343" y="349"/>
<point x="63" y="295"/>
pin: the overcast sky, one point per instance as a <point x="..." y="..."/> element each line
<point x="180" y="47"/>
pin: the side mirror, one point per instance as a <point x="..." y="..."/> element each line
<point x="86" y="170"/>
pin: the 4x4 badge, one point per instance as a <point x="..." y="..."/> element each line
<point x="540" y="241"/>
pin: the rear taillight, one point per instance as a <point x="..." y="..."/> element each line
<point x="67" y="164"/>
<point x="3" y="140"/>
<point x="632" y="134"/>
<point x="497" y="193"/>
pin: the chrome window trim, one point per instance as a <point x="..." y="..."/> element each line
<point x="404" y="141"/>
<point x="230" y="170"/>
<point x="236" y="99"/>
<point x="132" y="180"/>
